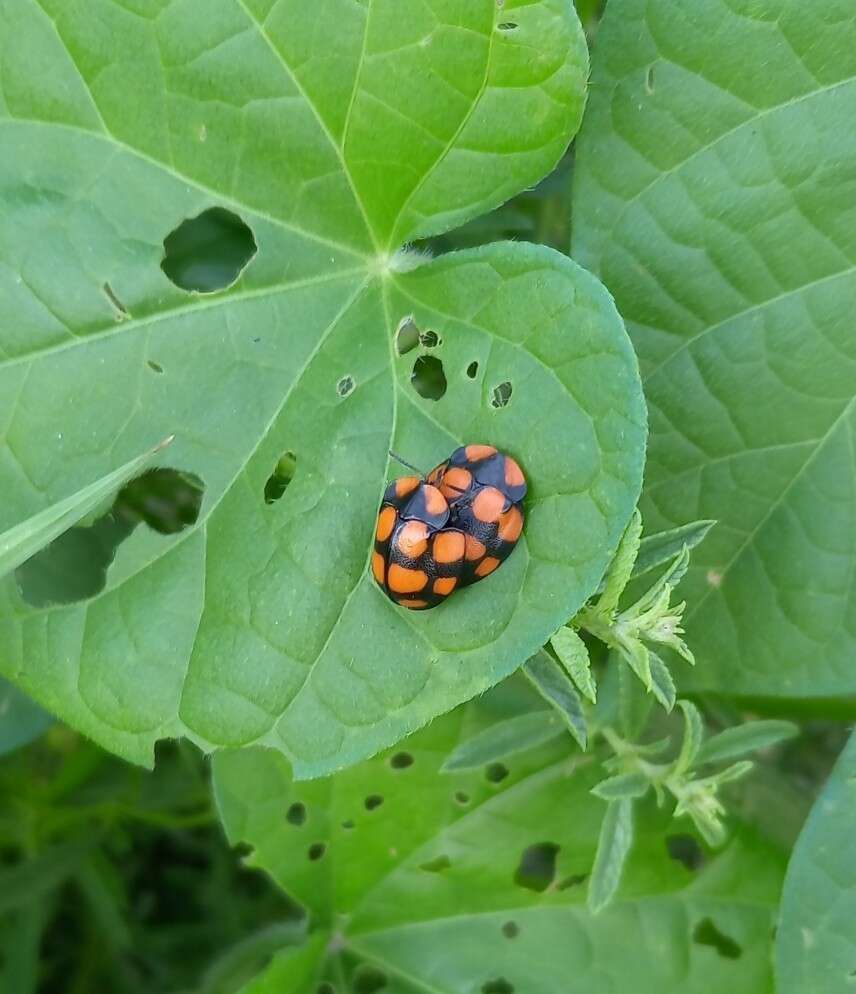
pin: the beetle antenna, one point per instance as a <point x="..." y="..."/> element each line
<point x="409" y="465"/>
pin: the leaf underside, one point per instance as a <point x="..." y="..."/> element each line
<point x="452" y="882"/>
<point x="715" y="196"/>
<point x="337" y="131"/>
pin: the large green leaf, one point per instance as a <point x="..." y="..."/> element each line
<point x="456" y="883"/>
<point x="715" y="195"/>
<point x="337" y="130"/>
<point x="816" y="937"/>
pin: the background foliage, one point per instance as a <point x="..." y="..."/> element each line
<point x="728" y="247"/>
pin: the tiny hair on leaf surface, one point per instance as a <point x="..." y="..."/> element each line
<point x="260" y="623"/>
<point x="500" y="882"/>
<point x="715" y="199"/>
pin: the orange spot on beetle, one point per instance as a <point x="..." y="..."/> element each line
<point x="406" y="485"/>
<point x="475" y="549"/>
<point x="486" y="566"/>
<point x="378" y="567"/>
<point x="513" y="473"/>
<point x="412" y="540"/>
<point x="413" y="605"/>
<point x="448" y="546"/>
<point x="511" y="525"/>
<point x="475" y="453"/>
<point x="456" y="481"/>
<point x="489" y="504"/>
<point x="385" y="523"/>
<point x="445" y="585"/>
<point x="406" y="581"/>
<point x="435" y="502"/>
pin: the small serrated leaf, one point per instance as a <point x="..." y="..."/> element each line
<point x="573" y="655"/>
<point x="638" y="657"/>
<point x="505" y="738"/>
<point x="745" y="738"/>
<point x="621" y="567"/>
<point x="693" y="734"/>
<point x="630" y="785"/>
<point x="555" y="686"/>
<point x="654" y="550"/>
<point x="616" y="837"/>
<point x="662" y="684"/>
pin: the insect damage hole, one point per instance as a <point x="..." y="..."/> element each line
<point x="373" y="801"/>
<point x="498" y="986"/>
<point x="282" y="475"/>
<point x="368" y="979"/>
<point x="428" y="378"/>
<point x="707" y="934"/>
<point x="296" y="814"/>
<point x="537" y="867"/>
<point x="511" y="930"/>
<point x="406" y="336"/>
<point x="685" y="849"/>
<point x="401" y="760"/>
<point x="436" y="865"/>
<point x="155" y="367"/>
<point x="501" y="394"/>
<point x="316" y="851"/>
<point x="208" y="252"/>
<point x="429" y="339"/>
<point x="74" y="566"/>
<point x="345" y="386"/>
<point x="473" y="369"/>
<point x="507" y="26"/>
<point x="496" y="772"/>
<point x="649" y="80"/>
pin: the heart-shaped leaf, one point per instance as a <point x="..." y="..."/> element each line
<point x="335" y="131"/>
<point x="714" y="195"/>
<point x="472" y="881"/>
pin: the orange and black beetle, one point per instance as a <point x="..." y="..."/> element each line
<point x="453" y="528"/>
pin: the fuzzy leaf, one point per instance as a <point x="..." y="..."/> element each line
<point x="745" y="738"/>
<point x="573" y="655"/>
<point x="714" y="194"/>
<point x="330" y="134"/>
<point x="621" y="568"/>
<point x="555" y="686"/>
<point x="505" y="738"/>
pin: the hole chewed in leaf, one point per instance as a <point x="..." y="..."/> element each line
<point x="574" y="880"/>
<point x="537" y="868"/>
<point x="368" y="979"/>
<point x="120" y="311"/>
<point x="436" y="865"/>
<point x="507" y="26"/>
<point x="345" y="386"/>
<point x="280" y="478"/>
<point x="401" y="760"/>
<point x="707" y="934"/>
<point x="316" y="851"/>
<point x="208" y="252"/>
<point x="685" y="849"/>
<point x="155" y="367"/>
<point x="348" y="824"/>
<point x="511" y="930"/>
<point x="649" y="80"/>
<point x="496" y="772"/>
<point x="167" y="500"/>
<point x="428" y="378"/>
<point x="406" y="336"/>
<point x="429" y="339"/>
<point x="498" y="986"/>
<point x="501" y="394"/>
<point x="462" y="798"/>
<point x="473" y="369"/>
<point x="373" y="801"/>
<point x="74" y="566"/>
<point x="296" y="814"/>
